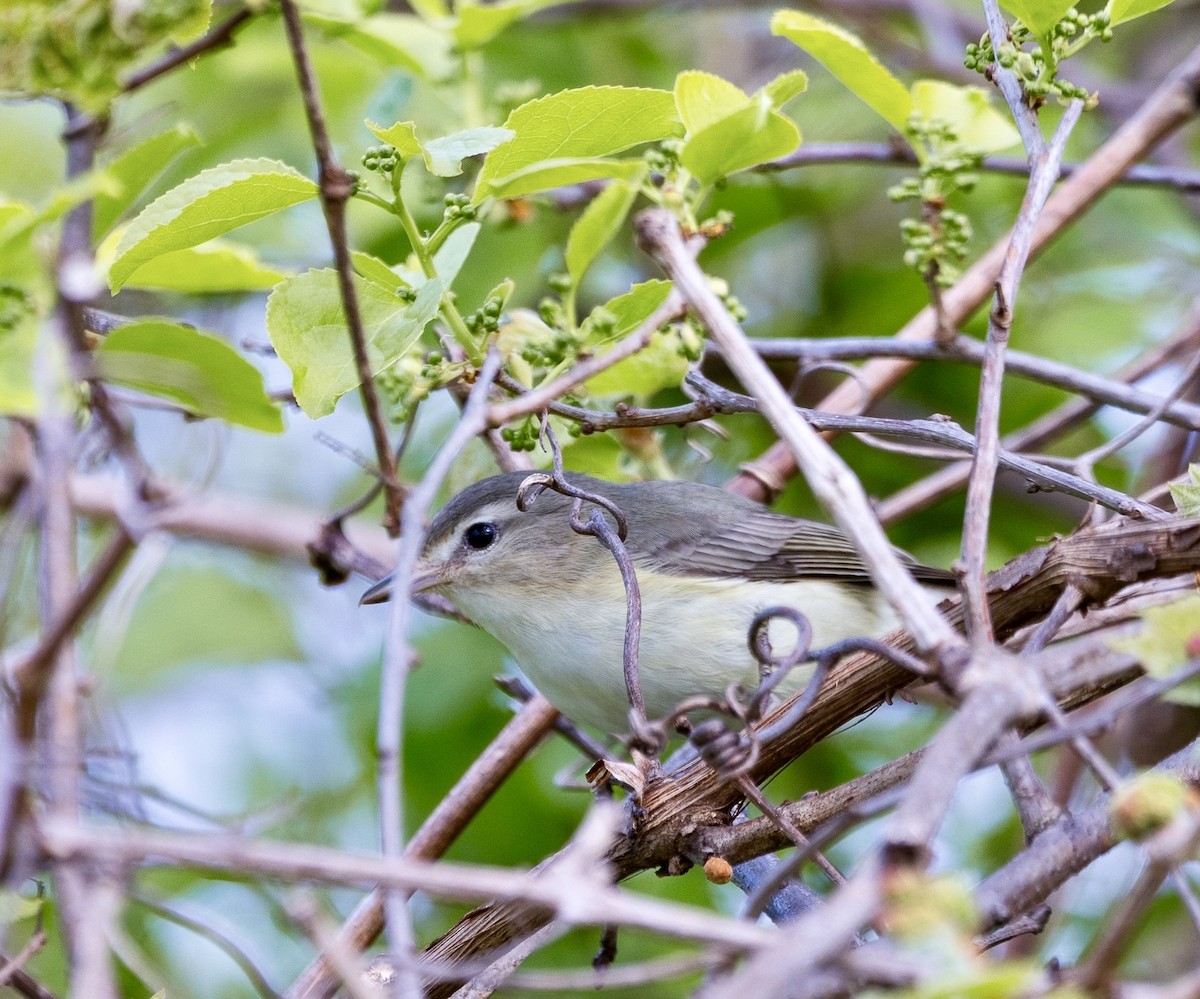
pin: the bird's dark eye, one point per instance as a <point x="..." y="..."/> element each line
<point x="480" y="536"/>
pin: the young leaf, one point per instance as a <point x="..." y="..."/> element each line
<point x="579" y="124"/>
<point x="847" y="58"/>
<point x="374" y="269"/>
<point x="658" y="366"/>
<point x="200" y="372"/>
<point x="1121" y="11"/>
<point x="308" y="330"/>
<point x="479" y="23"/>
<point x="444" y="156"/>
<point x="1038" y="15"/>
<point x="597" y="224"/>
<point x="559" y="173"/>
<point x="216" y="268"/>
<point x="398" y="40"/>
<point x="703" y="99"/>
<point x="744" y="139"/>
<point x="626" y="313"/>
<point x="211" y="203"/>
<point x="980" y="128"/>
<point x="784" y="87"/>
<point x="452" y="254"/>
<point x="134" y="170"/>
<point x="401" y="136"/>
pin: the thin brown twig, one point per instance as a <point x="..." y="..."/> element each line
<point x="218" y="37"/>
<point x="336" y="188"/>
<point x="901" y="154"/>
<point x="981" y="483"/>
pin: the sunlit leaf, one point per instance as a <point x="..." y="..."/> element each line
<point x="847" y="58"/>
<point x="1126" y="10"/>
<point x="200" y="372"/>
<point x="210" y="204"/>
<point x="580" y="124"/>
<point x="401" y="136"/>
<point x="785" y="87"/>
<point x="134" y="171"/>
<point x="703" y="99"/>
<point x="308" y="329"/>
<point x="1038" y="15"/>
<point x="597" y="224"/>
<point x="979" y="127"/>
<point x="755" y="134"/>
<point x="550" y="174"/>
<point x="626" y="312"/>
<point x="478" y="24"/>
<point x="399" y="40"/>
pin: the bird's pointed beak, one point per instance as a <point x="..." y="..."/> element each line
<point x="426" y="576"/>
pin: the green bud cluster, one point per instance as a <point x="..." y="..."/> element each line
<point x="936" y="246"/>
<point x="522" y="436"/>
<point x="411" y="380"/>
<point x="381" y="159"/>
<point x="458" y="208"/>
<point x="485" y="321"/>
<point x="1026" y="56"/>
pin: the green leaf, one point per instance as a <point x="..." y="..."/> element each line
<point x="1170" y="638"/>
<point x="211" y="203"/>
<point x="307" y="327"/>
<point x="847" y="58"/>
<point x="785" y="87"/>
<point x="659" y="365"/>
<point x="597" y="225"/>
<point x="478" y="24"/>
<point x="444" y="156"/>
<point x="1038" y="15"/>
<point x="703" y="99"/>
<point x="559" y="173"/>
<point x="216" y="268"/>
<point x="200" y="372"/>
<point x="579" y="124"/>
<point x="627" y="312"/>
<point x="134" y="170"/>
<point x="746" y="138"/>
<point x="173" y="625"/>
<point x="968" y="110"/>
<point x="1187" y="494"/>
<point x="18" y="341"/>
<point x="453" y="253"/>
<point x="401" y="136"/>
<point x="1121" y="11"/>
<point x="398" y="40"/>
<point x="374" y="269"/>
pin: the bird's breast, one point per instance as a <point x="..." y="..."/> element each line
<point x="694" y="636"/>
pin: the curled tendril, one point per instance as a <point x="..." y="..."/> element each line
<point x="773" y="668"/>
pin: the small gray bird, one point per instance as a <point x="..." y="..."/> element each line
<point x="707" y="562"/>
